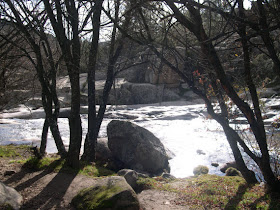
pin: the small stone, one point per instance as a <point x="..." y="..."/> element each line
<point x="168" y="176"/>
<point x="200" y="152"/>
<point x="215" y="164"/>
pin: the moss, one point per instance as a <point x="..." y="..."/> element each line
<point x="233" y="172"/>
<point x="200" y="170"/>
<point x="53" y="163"/>
<point x="96" y="197"/>
<point x="12" y="150"/>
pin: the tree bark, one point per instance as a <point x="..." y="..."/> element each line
<point x="90" y="142"/>
<point x="44" y="137"/>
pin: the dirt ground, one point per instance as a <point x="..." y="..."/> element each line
<point x="49" y="190"/>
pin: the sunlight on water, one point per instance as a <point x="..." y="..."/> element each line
<point x="182" y="129"/>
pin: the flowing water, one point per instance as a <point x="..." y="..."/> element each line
<point x="183" y="129"/>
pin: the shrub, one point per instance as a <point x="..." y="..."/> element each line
<point x="200" y="170"/>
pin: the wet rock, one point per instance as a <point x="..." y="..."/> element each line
<point x="225" y="166"/>
<point x="137" y="148"/>
<point x="215" y="164"/>
<point x="200" y="152"/>
<point x="108" y="193"/>
<point x="9" y="197"/>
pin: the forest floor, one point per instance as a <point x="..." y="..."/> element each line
<point x="50" y="188"/>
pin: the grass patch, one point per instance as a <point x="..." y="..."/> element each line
<point x="215" y="192"/>
<point x="11" y="151"/>
<point x="59" y="165"/>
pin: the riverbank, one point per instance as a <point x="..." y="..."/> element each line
<point x="53" y="188"/>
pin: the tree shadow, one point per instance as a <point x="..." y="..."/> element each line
<point x="52" y="195"/>
<point x="233" y="202"/>
<point x="274" y="203"/>
<point x="24" y="171"/>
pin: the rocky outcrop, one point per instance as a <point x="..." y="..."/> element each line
<point x="9" y="197"/>
<point x="137" y="148"/>
<point x="109" y="193"/>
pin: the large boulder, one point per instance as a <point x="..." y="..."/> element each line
<point x="9" y="197"/>
<point x="137" y="148"/>
<point x="108" y="193"/>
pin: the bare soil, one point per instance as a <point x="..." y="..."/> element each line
<point x="49" y="190"/>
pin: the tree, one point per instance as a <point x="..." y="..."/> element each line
<point x="213" y="78"/>
<point x="28" y="24"/>
<point x="195" y="25"/>
<point x="95" y="117"/>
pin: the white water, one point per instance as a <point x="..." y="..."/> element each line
<point x="182" y="129"/>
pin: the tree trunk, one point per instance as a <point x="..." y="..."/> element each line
<point x="231" y="135"/>
<point x="75" y="122"/>
<point x="44" y="137"/>
<point x="90" y="142"/>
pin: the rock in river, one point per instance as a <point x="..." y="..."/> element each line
<point x="137" y="148"/>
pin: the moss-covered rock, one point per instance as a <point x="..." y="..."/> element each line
<point x="233" y="172"/>
<point x="200" y="170"/>
<point x="109" y="193"/>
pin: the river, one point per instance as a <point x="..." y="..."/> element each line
<point x="184" y="129"/>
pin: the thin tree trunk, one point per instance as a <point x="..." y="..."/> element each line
<point x="44" y="137"/>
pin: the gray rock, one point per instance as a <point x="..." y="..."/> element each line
<point x="103" y="153"/>
<point x="200" y="152"/>
<point x="168" y="176"/>
<point x="225" y="166"/>
<point x="109" y="193"/>
<point x="215" y="164"/>
<point x="137" y="148"/>
<point x="267" y="93"/>
<point x="10" y="197"/>
<point x="130" y="176"/>
<point x="169" y="95"/>
<point x="145" y="93"/>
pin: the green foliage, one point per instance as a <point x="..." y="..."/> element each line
<point x="200" y="170"/>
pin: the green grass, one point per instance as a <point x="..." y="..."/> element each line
<point x="216" y="192"/>
<point x="59" y="165"/>
<point x="9" y="151"/>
